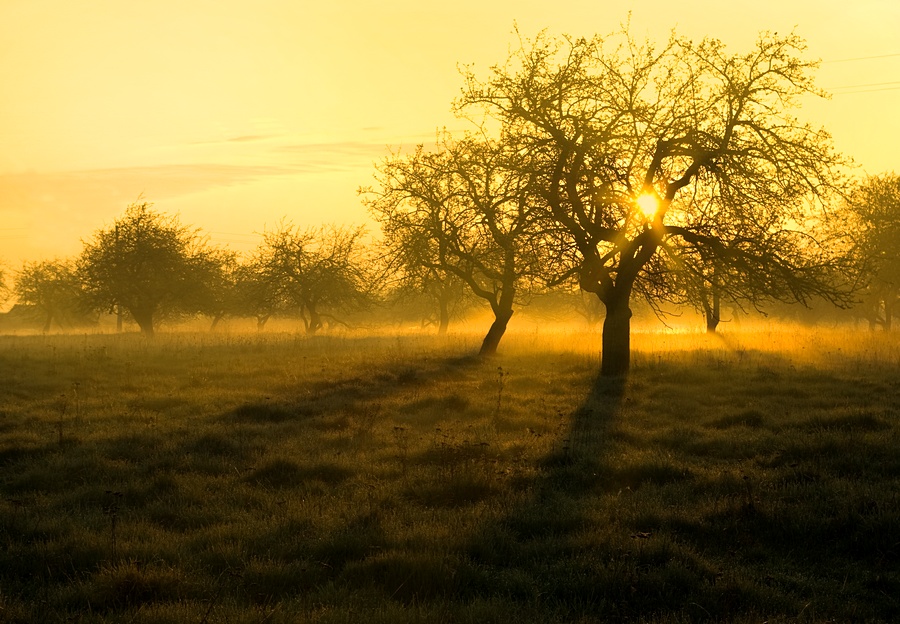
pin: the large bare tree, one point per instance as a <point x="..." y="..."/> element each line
<point x="646" y="157"/>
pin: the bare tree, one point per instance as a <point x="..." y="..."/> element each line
<point x="258" y="294"/>
<point x="874" y="210"/>
<point x="462" y="211"/>
<point x="433" y="296"/>
<point x="4" y="287"/>
<point x="644" y="156"/>
<point x="216" y="278"/>
<point x="320" y="272"/>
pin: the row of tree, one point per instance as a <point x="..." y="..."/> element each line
<point x="147" y="266"/>
<point x="675" y="175"/>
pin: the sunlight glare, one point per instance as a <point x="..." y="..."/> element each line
<point x="648" y="203"/>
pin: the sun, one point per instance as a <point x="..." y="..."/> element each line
<point x="648" y="204"/>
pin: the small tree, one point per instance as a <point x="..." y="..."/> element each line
<point x="320" y="272"/>
<point x="52" y="287"/>
<point x="258" y="294"/>
<point x="421" y="290"/>
<point x="146" y="263"/>
<point x="4" y="287"/>
<point x="462" y="212"/>
<point x="874" y="210"/>
<point x="216" y="277"/>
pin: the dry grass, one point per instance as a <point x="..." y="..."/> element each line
<point x="245" y="478"/>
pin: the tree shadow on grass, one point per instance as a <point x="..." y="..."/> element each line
<point x="602" y="528"/>
<point x="623" y="526"/>
<point x="354" y="394"/>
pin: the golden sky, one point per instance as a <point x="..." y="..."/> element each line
<point x="234" y="114"/>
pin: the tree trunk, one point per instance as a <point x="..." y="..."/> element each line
<point x="712" y="313"/>
<point x="444" y="320"/>
<point x="495" y="333"/>
<point x="315" y="322"/>
<point x="144" y="320"/>
<point x="261" y="320"/>
<point x="120" y="319"/>
<point x="215" y="322"/>
<point x="48" y="322"/>
<point x="615" y="357"/>
<point x="888" y="312"/>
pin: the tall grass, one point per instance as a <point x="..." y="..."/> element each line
<point x="275" y="478"/>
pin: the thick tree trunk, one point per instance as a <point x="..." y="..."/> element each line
<point x="615" y="357"/>
<point x="144" y="320"/>
<point x="315" y="322"/>
<point x="120" y="319"/>
<point x="261" y="320"/>
<point x="444" y="320"/>
<point x="495" y="333"/>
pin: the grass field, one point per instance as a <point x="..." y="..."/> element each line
<point x="273" y="478"/>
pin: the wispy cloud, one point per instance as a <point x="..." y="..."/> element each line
<point x="251" y="138"/>
<point x="54" y="210"/>
<point x="124" y="183"/>
<point x="336" y="156"/>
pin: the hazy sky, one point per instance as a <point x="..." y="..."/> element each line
<point x="234" y="113"/>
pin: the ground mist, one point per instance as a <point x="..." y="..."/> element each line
<point x="277" y="478"/>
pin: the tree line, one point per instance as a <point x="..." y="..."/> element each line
<point x="606" y="167"/>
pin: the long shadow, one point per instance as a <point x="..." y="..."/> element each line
<point x="350" y="394"/>
<point x="583" y="545"/>
<point x="531" y="554"/>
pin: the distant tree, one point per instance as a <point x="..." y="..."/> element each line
<point x="216" y="277"/>
<point x="646" y="157"/>
<point x="874" y="210"/>
<point x="258" y="293"/>
<point x="52" y="287"/>
<point x="146" y="263"/>
<point x="430" y="297"/>
<point x="319" y="272"/>
<point x="430" y="294"/>
<point x="4" y="287"/>
<point x="461" y="211"/>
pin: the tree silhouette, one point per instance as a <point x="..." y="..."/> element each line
<point x="645" y="158"/>
<point x="146" y="263"/>
<point x="216" y="279"/>
<point x="431" y="296"/>
<point x="319" y="272"/>
<point x="462" y="211"/>
<point x="52" y="287"/>
<point x="874" y="207"/>
<point x="4" y="287"/>
<point x="257" y="293"/>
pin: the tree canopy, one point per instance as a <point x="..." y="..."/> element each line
<point x="148" y="264"/>
<point x="645" y="159"/>
<point x="873" y="210"/>
<point x="52" y="287"/>
<point x="319" y="273"/>
<point x="462" y="210"/>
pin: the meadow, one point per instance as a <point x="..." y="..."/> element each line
<point x="248" y="478"/>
